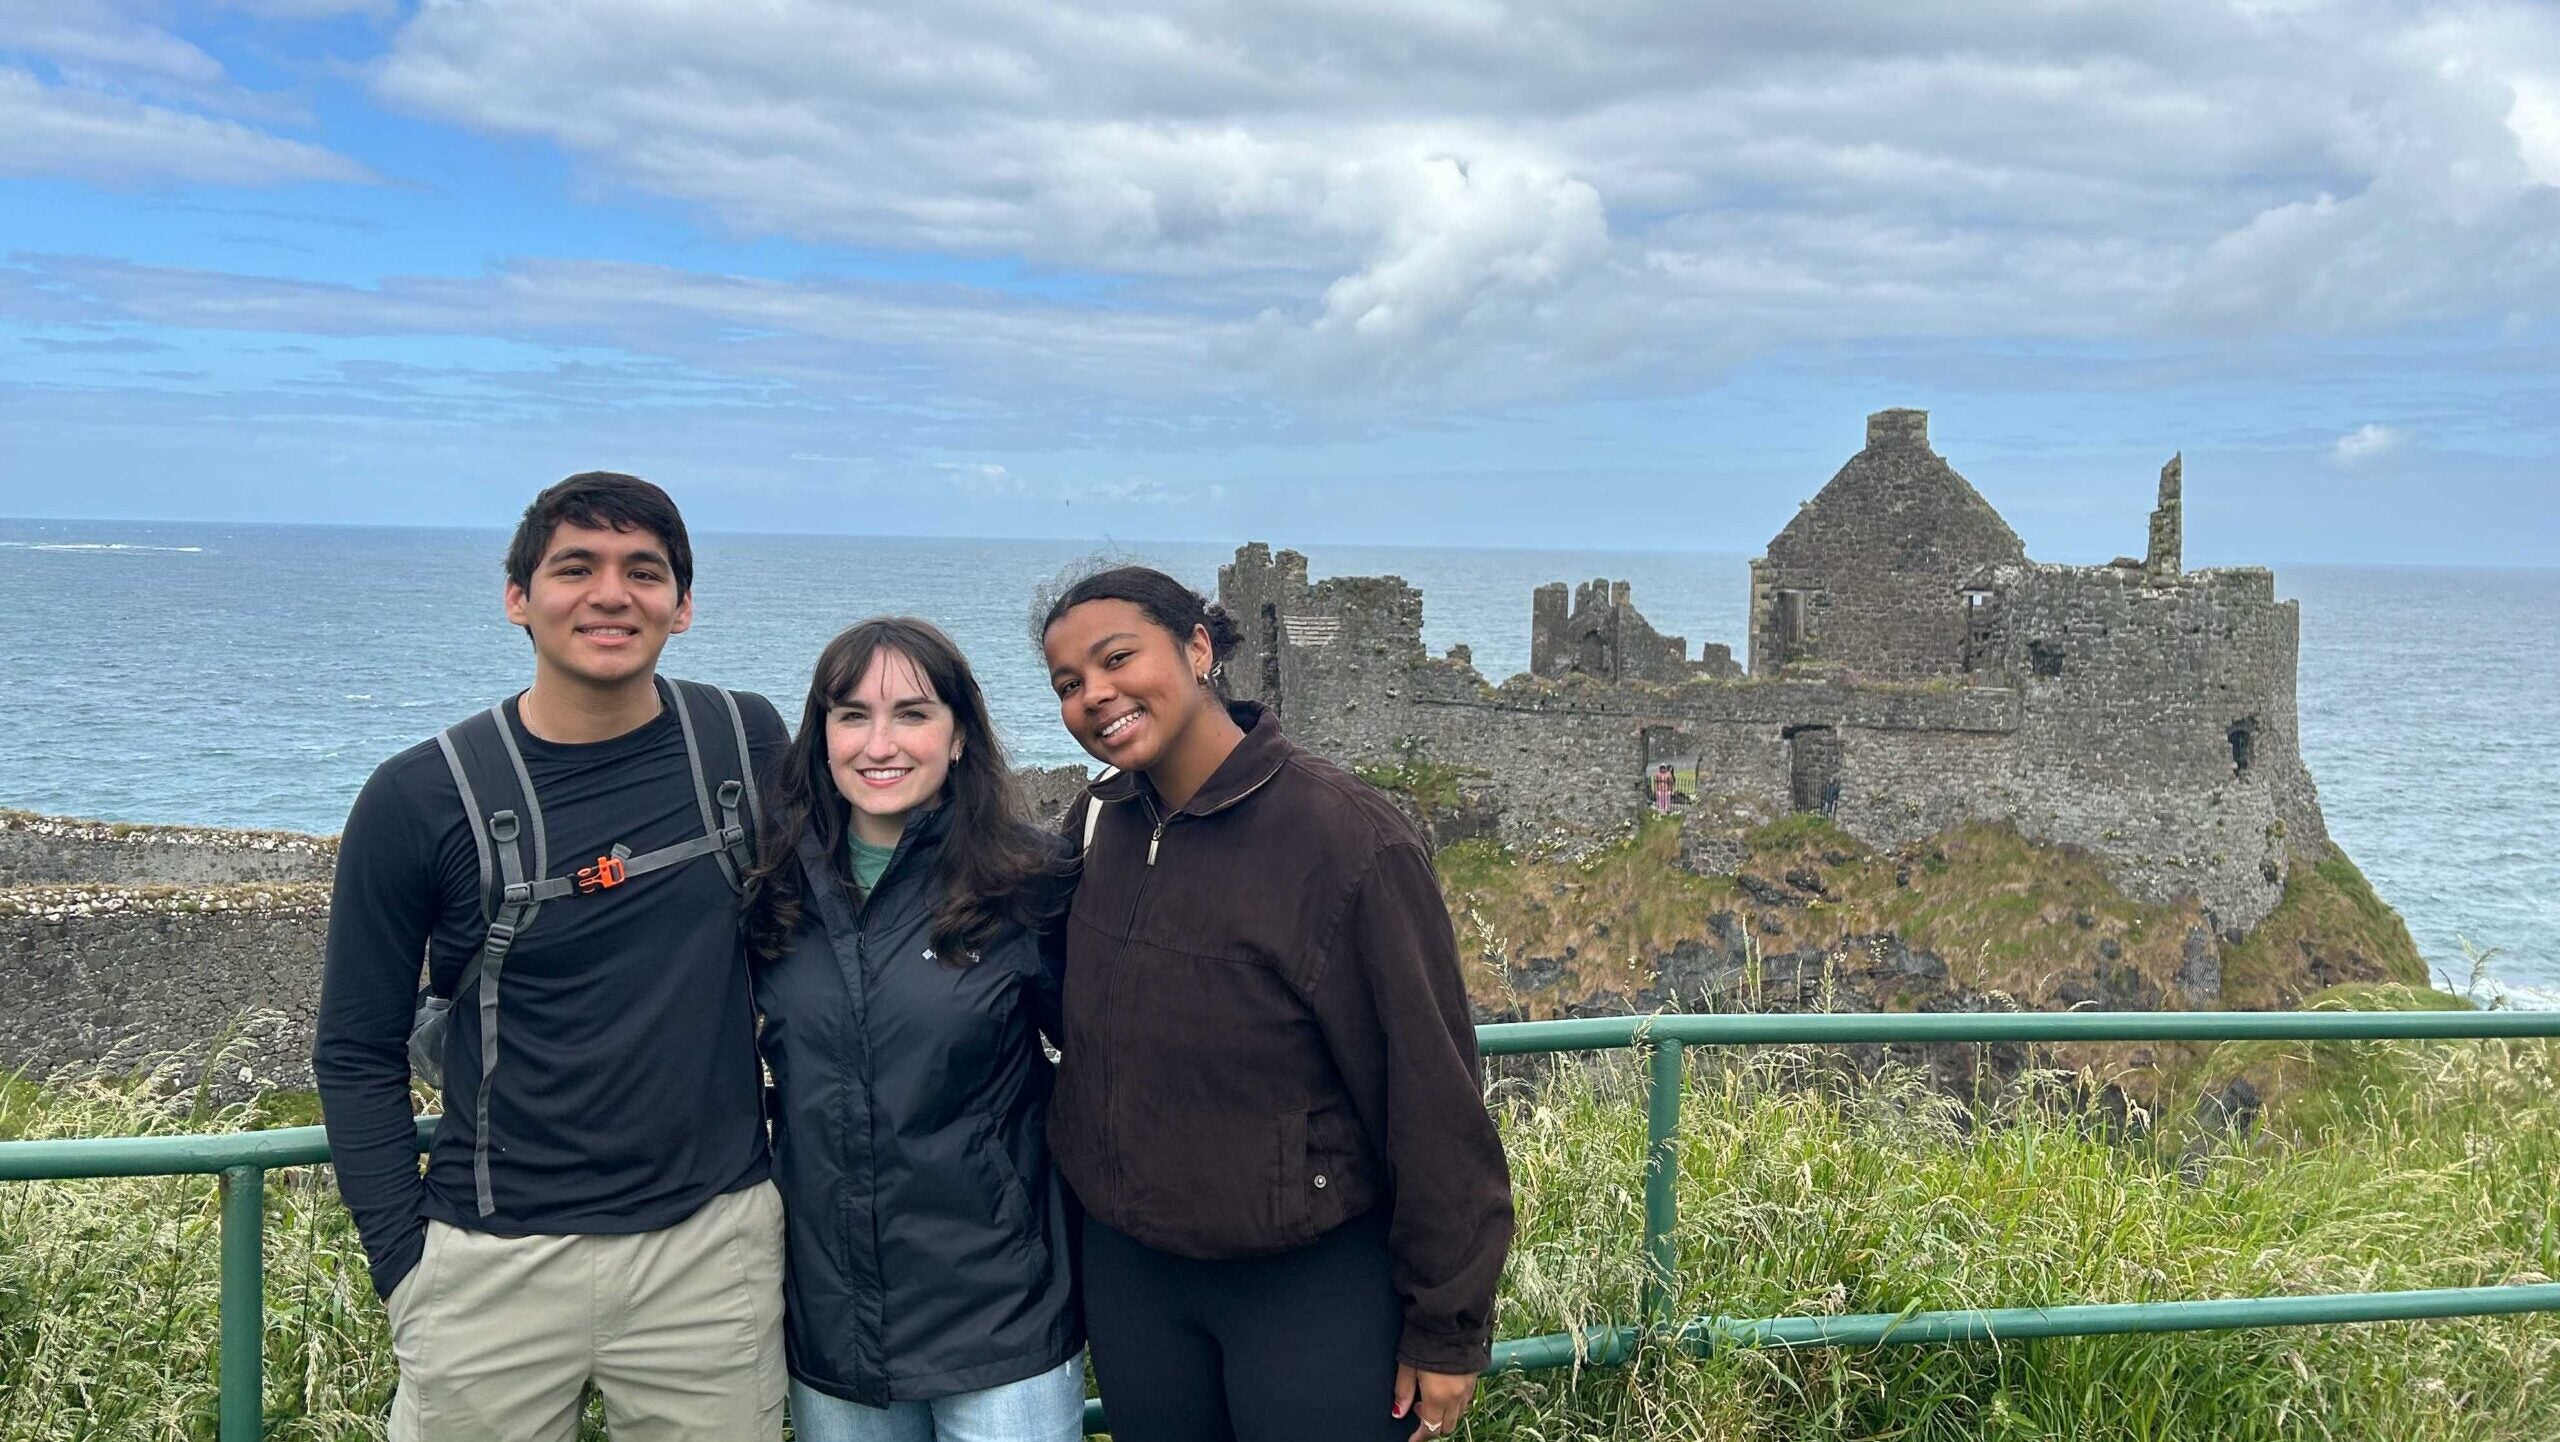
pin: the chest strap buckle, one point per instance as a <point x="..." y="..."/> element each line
<point x="607" y="872"/>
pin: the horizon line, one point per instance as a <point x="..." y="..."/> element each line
<point x="1103" y="545"/>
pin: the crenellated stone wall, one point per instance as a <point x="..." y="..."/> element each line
<point x="2136" y="710"/>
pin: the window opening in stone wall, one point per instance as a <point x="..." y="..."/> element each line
<point x="1786" y="622"/>
<point x="2244" y="739"/>
<point x="2044" y="658"/>
<point x="1271" y="656"/>
<point x="1981" y="628"/>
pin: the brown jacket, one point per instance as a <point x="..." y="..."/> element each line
<point x="1250" y="980"/>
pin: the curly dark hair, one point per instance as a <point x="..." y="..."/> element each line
<point x="1167" y="602"/>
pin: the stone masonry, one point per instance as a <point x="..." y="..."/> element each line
<point x="139" y="948"/>
<point x="1863" y="581"/>
<point x="1605" y="637"/>
<point x="1910" y="669"/>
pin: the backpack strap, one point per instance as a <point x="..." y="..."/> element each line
<point x="1093" y="806"/>
<point x="715" y="746"/>
<point x="505" y="816"/>
<point x="489" y="771"/>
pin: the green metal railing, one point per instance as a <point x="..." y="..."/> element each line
<point x="242" y="1159"/>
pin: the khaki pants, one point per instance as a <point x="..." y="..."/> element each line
<point x="680" y="1329"/>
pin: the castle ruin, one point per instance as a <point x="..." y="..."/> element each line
<point x="1910" y="669"/>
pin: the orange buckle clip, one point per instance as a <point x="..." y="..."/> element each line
<point x="608" y="871"/>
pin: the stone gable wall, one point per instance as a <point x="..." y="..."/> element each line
<point x="1864" y="581"/>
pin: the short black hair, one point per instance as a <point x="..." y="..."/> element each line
<point x="600" y="501"/>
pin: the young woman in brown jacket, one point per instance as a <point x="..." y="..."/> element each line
<point x="1270" y="1103"/>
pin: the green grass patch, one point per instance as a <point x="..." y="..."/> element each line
<point x="2027" y="919"/>
<point x="1802" y="1190"/>
<point x="2329" y="927"/>
<point x="2408" y="1165"/>
<point x="1431" y="785"/>
<point x="1603" y="917"/>
<point x="1798" y="832"/>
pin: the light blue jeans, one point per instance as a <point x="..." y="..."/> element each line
<point x="1046" y="1408"/>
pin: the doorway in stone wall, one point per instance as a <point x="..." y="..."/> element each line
<point x="1813" y="768"/>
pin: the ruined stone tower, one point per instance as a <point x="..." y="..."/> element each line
<point x="1864" y="581"/>
<point x="2165" y="559"/>
<point x="1605" y="637"/>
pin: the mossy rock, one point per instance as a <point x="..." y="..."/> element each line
<point x="2329" y="930"/>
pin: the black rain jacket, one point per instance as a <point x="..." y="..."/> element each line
<point x="927" y="1230"/>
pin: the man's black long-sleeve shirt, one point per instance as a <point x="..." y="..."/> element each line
<point x="627" y="1091"/>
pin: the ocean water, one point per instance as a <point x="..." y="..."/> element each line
<point x="253" y="675"/>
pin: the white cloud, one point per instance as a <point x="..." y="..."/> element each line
<point x="2364" y="443"/>
<point x="127" y="102"/>
<point x="311" y="9"/>
<point x="1465" y="196"/>
<point x="87" y="37"/>
<point x="983" y="478"/>
<point x="91" y="135"/>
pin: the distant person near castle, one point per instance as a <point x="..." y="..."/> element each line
<point x="1664" y="786"/>
<point x="596" y="1205"/>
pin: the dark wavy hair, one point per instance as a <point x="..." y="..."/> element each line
<point x="993" y="857"/>
<point x="1173" y="606"/>
<point x="601" y="501"/>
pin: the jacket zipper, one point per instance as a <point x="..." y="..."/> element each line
<point x="1137" y="897"/>
<point x="1162" y="822"/>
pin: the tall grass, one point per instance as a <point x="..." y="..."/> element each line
<point x="110" y="1289"/>
<point x="2393" y="1165"/>
<point x="1803" y="1189"/>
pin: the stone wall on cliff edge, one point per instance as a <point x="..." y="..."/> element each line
<point x="62" y="851"/>
<point x="2141" y="712"/>
<point x="126" y="947"/>
<point x="138" y="948"/>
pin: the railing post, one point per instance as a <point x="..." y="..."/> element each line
<point x="244" y="1302"/>
<point x="1661" y="1180"/>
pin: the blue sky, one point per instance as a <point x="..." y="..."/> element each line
<point x="1445" y="271"/>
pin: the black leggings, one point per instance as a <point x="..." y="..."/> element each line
<point x="1284" y="1348"/>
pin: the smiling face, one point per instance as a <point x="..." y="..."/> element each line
<point x="1127" y="692"/>
<point x="890" y="745"/>
<point x="599" y="607"/>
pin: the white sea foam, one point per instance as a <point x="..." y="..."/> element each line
<point x="126" y="546"/>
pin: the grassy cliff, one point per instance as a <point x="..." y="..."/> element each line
<point x="1979" y="912"/>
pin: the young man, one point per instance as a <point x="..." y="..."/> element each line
<point x="595" y="1207"/>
